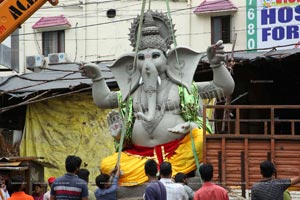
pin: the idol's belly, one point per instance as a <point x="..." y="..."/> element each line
<point x="142" y="134"/>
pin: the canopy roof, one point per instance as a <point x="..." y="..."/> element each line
<point x="53" y="22"/>
<point x="253" y="56"/>
<point x="215" y="6"/>
<point x="62" y="76"/>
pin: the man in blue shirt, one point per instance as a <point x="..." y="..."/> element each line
<point x="107" y="185"/>
<point x="69" y="186"/>
<point x="155" y="190"/>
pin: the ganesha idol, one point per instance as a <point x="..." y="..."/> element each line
<point x="159" y="103"/>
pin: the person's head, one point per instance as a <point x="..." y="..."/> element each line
<point x="51" y="180"/>
<point x="37" y="188"/>
<point x="151" y="168"/>
<point x="181" y="178"/>
<point x="84" y="174"/>
<point x="102" y="181"/>
<point x="267" y="169"/>
<point x="16" y="183"/>
<point x="73" y="164"/>
<point x="165" y="170"/>
<point x="206" y="172"/>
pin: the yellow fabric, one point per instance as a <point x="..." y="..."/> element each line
<point x="133" y="166"/>
<point x="209" y="112"/>
<point x="69" y="125"/>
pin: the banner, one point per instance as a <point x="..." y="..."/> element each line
<point x="68" y="125"/>
<point x="273" y="23"/>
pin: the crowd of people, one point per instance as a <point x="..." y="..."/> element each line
<point x="161" y="185"/>
<point x="72" y="185"/>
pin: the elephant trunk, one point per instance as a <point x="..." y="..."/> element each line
<point x="150" y="79"/>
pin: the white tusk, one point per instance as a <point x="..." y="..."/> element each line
<point x="159" y="80"/>
<point x="141" y="81"/>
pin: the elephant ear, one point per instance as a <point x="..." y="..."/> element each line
<point x="125" y="74"/>
<point x="183" y="73"/>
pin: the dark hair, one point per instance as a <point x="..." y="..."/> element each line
<point x="37" y="184"/>
<point x="179" y="177"/>
<point x="72" y="163"/>
<point x="165" y="169"/>
<point x="267" y="169"/>
<point x="206" y="172"/>
<point x="84" y="174"/>
<point x="16" y="183"/>
<point x="151" y="167"/>
<point x="101" y="180"/>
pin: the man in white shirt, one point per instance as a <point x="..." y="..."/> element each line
<point x="3" y="191"/>
<point x="47" y="194"/>
<point x="175" y="191"/>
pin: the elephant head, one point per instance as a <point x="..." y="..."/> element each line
<point x="150" y="65"/>
<point x="152" y="62"/>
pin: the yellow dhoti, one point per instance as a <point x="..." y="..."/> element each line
<point x="132" y="166"/>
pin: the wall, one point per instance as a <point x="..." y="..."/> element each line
<point x="98" y="37"/>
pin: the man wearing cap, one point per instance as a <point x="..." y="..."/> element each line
<point x="47" y="194"/>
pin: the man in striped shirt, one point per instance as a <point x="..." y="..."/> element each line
<point x="175" y="191"/>
<point x="270" y="188"/>
<point x="69" y="186"/>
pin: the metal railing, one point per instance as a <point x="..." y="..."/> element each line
<point x="237" y="119"/>
<point x="243" y="126"/>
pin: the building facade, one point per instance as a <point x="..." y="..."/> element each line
<point x="94" y="30"/>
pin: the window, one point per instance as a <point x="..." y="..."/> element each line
<point x="53" y="42"/>
<point x="220" y="29"/>
<point x="9" y="52"/>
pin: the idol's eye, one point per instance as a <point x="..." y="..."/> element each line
<point x="141" y="57"/>
<point x="155" y="55"/>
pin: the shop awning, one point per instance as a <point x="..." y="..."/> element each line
<point x="61" y="76"/>
<point x="215" y="6"/>
<point x="52" y="23"/>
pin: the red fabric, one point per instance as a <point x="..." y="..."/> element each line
<point x="38" y="197"/>
<point x="160" y="151"/>
<point x="68" y="192"/>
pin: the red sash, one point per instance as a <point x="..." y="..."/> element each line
<point x="159" y="151"/>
